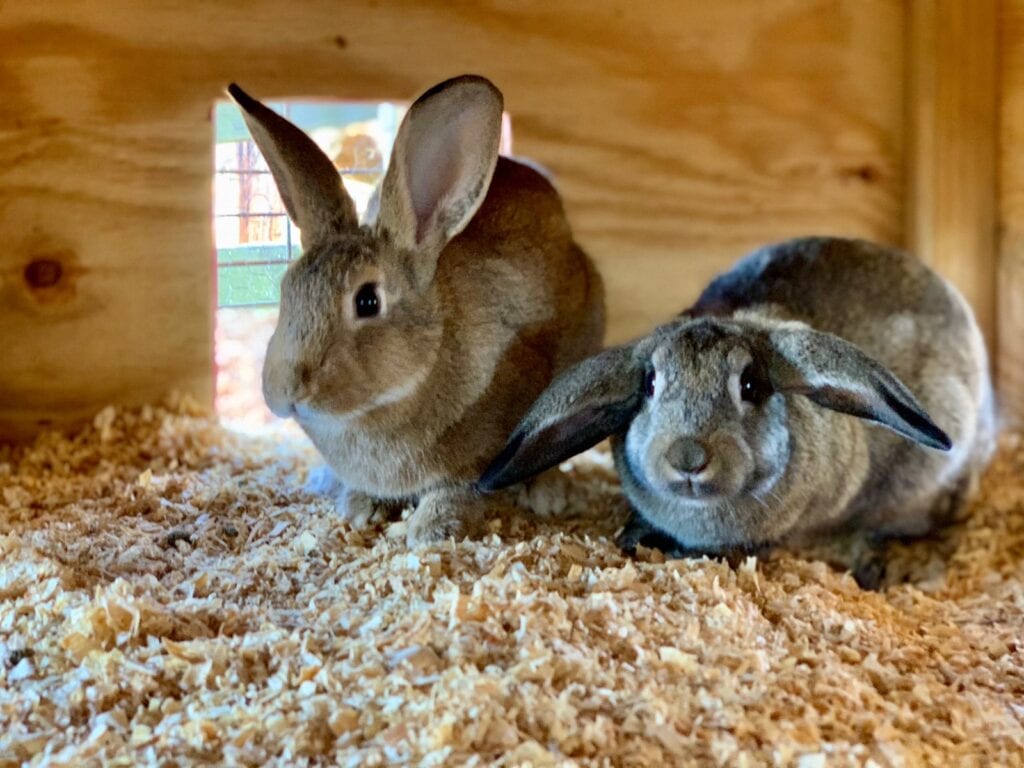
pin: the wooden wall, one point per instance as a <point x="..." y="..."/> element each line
<point x="1010" y="358"/>
<point x="952" y="119"/>
<point x="681" y="132"/>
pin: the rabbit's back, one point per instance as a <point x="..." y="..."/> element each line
<point x="527" y="271"/>
<point x="841" y="286"/>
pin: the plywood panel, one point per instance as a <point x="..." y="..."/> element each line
<point x="1011" y="212"/>
<point x="105" y="292"/>
<point x="681" y="133"/>
<point x="952" y="132"/>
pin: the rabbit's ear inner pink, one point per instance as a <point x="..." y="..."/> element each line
<point x="442" y="163"/>
<point x="837" y="375"/>
<point x="310" y="185"/>
<point x="590" y="401"/>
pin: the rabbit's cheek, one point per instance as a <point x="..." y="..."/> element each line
<point x="770" y="447"/>
<point x="736" y="465"/>
<point x="646" y="447"/>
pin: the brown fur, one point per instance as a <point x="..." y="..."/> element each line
<point x="484" y="303"/>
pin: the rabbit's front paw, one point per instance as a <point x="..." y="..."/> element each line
<point x="442" y="515"/>
<point x="357" y="509"/>
<point x="639" y="533"/>
<point x="636" y="531"/>
<point x="322" y="481"/>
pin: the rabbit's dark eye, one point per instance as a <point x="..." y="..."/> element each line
<point x="754" y="385"/>
<point x="367" y="301"/>
<point x="649" y="380"/>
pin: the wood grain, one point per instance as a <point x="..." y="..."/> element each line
<point x="952" y="130"/>
<point x="1010" y="356"/>
<point x="681" y="132"/>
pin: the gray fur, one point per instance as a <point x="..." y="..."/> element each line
<point x="837" y="328"/>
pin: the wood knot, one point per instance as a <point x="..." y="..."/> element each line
<point x="49" y="279"/>
<point x="867" y="173"/>
<point x="43" y="273"/>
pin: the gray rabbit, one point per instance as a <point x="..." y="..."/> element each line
<point x="732" y="425"/>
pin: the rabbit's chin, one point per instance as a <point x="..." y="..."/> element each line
<point x="696" y="493"/>
<point x="312" y="416"/>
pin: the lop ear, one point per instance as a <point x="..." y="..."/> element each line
<point x="309" y="184"/>
<point x="838" y="375"/>
<point x="442" y="163"/>
<point x="585" y="404"/>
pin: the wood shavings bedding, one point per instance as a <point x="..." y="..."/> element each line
<point x="170" y="596"/>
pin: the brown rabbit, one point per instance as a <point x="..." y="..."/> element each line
<point x="409" y="345"/>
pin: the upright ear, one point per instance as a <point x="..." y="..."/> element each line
<point x="585" y="404"/>
<point x="309" y="184"/>
<point x="442" y="163"/>
<point x="838" y="375"/>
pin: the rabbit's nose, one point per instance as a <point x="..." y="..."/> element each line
<point x="687" y="455"/>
